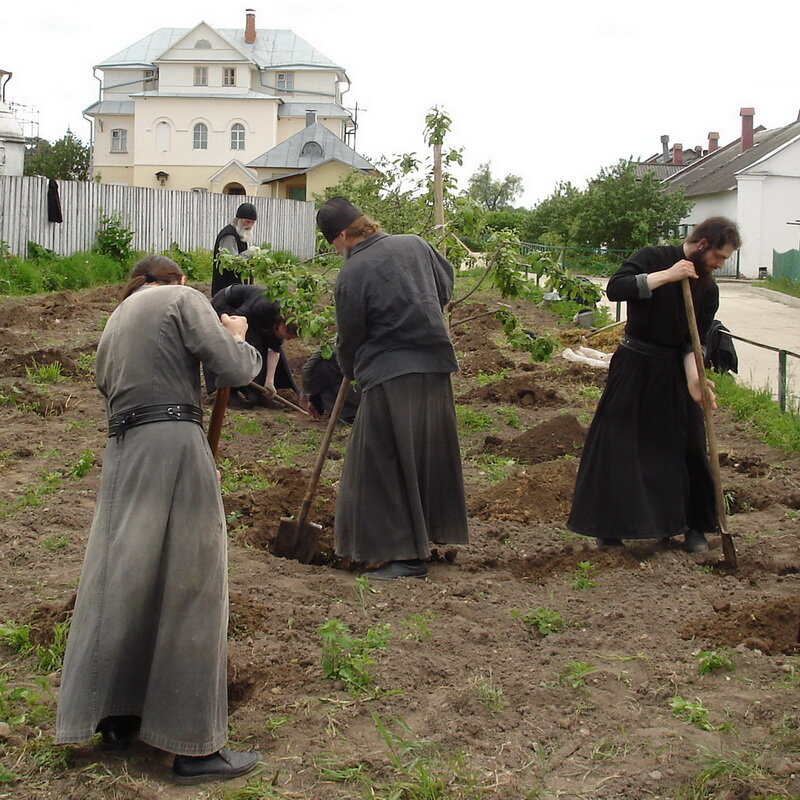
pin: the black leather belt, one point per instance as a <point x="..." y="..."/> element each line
<point x="648" y="349"/>
<point x="142" y="415"/>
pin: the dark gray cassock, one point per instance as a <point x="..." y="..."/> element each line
<point x="402" y="486"/>
<point x="644" y="470"/>
<point x="148" y="637"/>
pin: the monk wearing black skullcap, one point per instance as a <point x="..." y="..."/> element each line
<point x="236" y="238"/>
<point x="401" y="485"/>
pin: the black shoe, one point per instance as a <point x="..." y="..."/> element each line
<point x="694" y="542"/>
<point x="219" y="766"/>
<point x="603" y="543"/>
<point x="237" y="400"/>
<point x="119" y="733"/>
<point x="399" y="569"/>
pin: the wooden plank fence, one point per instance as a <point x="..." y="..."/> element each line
<point x="157" y="217"/>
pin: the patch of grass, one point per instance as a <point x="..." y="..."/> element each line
<point x="489" y="693"/>
<point x="590" y="392"/>
<point x="469" y="419"/>
<point x="574" y="673"/>
<point x="16" y="637"/>
<point x="363" y="587"/>
<point x="56" y="543"/>
<point x="495" y="468"/>
<point x="247" y="426"/>
<point x="607" y="750"/>
<point x="85" y="363"/>
<point x="710" y="661"/>
<point x="694" y="713"/>
<point x="346" y="657"/>
<point x="484" y="379"/>
<point x="582" y="577"/>
<point x="47" y="755"/>
<point x="236" y="477"/>
<point x="254" y="789"/>
<point x="6" y="775"/>
<point x="545" y="620"/>
<point x="50" y="657"/>
<point x="760" y="413"/>
<point x="288" y="447"/>
<point x="82" y="465"/>
<point x="510" y="416"/>
<point x="783" y="285"/>
<point x="43" y="373"/>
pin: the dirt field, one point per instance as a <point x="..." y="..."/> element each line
<point x="528" y="665"/>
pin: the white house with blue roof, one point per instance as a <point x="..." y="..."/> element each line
<point x="203" y="108"/>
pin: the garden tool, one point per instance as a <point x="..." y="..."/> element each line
<point x="217" y="415"/>
<point x="277" y="397"/>
<point x="297" y="538"/>
<point x="728" y="550"/>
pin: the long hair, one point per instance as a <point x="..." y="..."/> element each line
<point x="152" y="269"/>
<point x="363" y="226"/>
<point x="718" y="232"/>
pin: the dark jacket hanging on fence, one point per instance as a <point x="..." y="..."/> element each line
<point x="53" y="202"/>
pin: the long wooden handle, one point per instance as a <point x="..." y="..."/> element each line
<point x="217" y="416"/>
<point x="323" y="451"/>
<point x="728" y="550"/>
<point x="277" y="397"/>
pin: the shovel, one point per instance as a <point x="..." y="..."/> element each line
<point x="297" y="538"/>
<point x="217" y="415"/>
<point x="728" y="550"/>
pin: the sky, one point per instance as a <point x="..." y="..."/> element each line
<point x="548" y="91"/>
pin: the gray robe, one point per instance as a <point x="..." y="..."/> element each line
<point x="149" y="633"/>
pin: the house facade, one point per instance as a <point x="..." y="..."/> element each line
<point x="755" y="181"/>
<point x="192" y="109"/>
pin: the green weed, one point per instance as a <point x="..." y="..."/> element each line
<point x="574" y="673"/>
<point x="710" y="661"/>
<point x="82" y="465"/>
<point x="254" y="789"/>
<point x="50" y="657"/>
<point x="362" y="587"/>
<point x="590" y="392"/>
<point x="582" y="577"/>
<point x="471" y="420"/>
<point x="510" y="416"/>
<point x="43" y="373"/>
<point x="346" y="657"/>
<point x="16" y="637"/>
<point x="6" y="775"/>
<point x="694" y="713"/>
<point x="56" y="543"/>
<point x="85" y="362"/>
<point x="545" y="620"/>
<point x="495" y="468"/>
<point x="236" y="477"/>
<point x="484" y="379"/>
<point x="489" y="694"/>
<point x="418" y="626"/>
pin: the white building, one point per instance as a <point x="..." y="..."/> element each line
<point x="755" y="181"/>
<point x="12" y="138"/>
<point x="195" y="109"/>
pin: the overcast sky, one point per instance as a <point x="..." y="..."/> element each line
<point x="548" y="91"/>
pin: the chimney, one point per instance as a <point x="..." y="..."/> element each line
<point x="677" y="153"/>
<point x="665" y="148"/>
<point x="713" y="141"/>
<point x="747" y="115"/>
<point x="311" y="116"/>
<point x="250" y="26"/>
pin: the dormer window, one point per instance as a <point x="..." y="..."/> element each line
<point x="201" y="76"/>
<point x="311" y="149"/>
<point x="149" y="79"/>
<point x="229" y="76"/>
<point x="202" y="44"/>
<point x="284" y="82"/>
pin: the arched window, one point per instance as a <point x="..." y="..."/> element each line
<point x="200" y="138"/>
<point x="202" y="44"/>
<point x="237" y="136"/>
<point x="163" y="137"/>
<point x="311" y="149"/>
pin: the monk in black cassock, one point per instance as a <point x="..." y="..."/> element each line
<point x="236" y="238"/>
<point x="644" y="471"/>
<point x="401" y="486"/>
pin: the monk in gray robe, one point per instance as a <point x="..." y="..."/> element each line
<point x="402" y="486"/>
<point x="146" y="654"/>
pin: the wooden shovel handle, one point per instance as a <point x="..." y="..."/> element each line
<point x="728" y="550"/>
<point x="323" y="451"/>
<point x="217" y="416"/>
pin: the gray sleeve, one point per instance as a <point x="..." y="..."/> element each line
<point x="234" y="363"/>
<point x="642" y="288"/>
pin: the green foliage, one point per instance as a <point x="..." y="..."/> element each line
<point x="237" y="477"/>
<point x="783" y="285"/>
<point x="44" y="373"/>
<point x="471" y="420"/>
<point x="346" y="657"/>
<point x="489" y="694"/>
<point x="114" y="238"/>
<point x="510" y="416"/>
<point x="67" y="159"/>
<point x="56" y="543"/>
<point x="491" y="194"/>
<point x="16" y="637"/>
<point x="574" y="673"/>
<point x="485" y="379"/>
<point x="254" y="789"/>
<point x="540" y="347"/>
<point x="495" y="467"/>
<point x="82" y="465"/>
<point x="582" y="577"/>
<point x="552" y="220"/>
<point x="418" y="626"/>
<point x="760" y="412"/>
<point x="362" y="587"/>
<point x="693" y="713"/>
<point x="545" y="620"/>
<point x="710" y="661"/>
<point x="50" y="657"/>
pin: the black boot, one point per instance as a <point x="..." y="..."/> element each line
<point x="219" y="766"/>
<point x="119" y="732"/>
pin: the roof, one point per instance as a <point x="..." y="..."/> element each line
<point x="288" y="154"/>
<point x="271" y="49"/>
<point x="328" y="110"/>
<point x="716" y="172"/>
<point x="662" y="171"/>
<point x="111" y="107"/>
<point x="242" y="95"/>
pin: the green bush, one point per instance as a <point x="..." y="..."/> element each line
<point x="114" y="238"/>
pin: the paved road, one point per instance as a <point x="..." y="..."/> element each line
<point x="754" y="314"/>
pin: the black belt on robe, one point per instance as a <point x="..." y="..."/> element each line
<point x="648" y="349"/>
<point x="142" y="415"/>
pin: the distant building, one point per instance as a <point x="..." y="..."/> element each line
<point x="207" y="110"/>
<point x="755" y="181"/>
<point x="12" y="138"/>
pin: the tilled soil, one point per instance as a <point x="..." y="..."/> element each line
<point x="499" y="703"/>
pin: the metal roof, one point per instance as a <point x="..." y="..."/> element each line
<point x="661" y="171"/>
<point x="110" y="107"/>
<point x="716" y="172"/>
<point x="329" y="110"/>
<point x="288" y="154"/>
<point x="245" y="95"/>
<point x="271" y="48"/>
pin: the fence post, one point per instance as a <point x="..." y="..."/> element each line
<point x="782" y="379"/>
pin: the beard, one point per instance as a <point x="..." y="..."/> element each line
<point x="703" y="270"/>
<point x="243" y="233"/>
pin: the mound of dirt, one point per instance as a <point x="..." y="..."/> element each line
<point x="772" y="626"/>
<point x="553" y="438"/>
<point x="518" y="389"/>
<point x="541" y="493"/>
